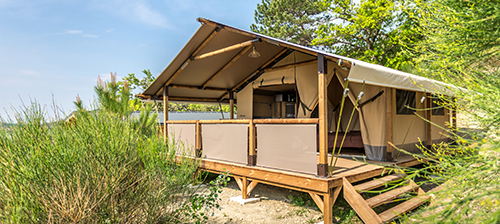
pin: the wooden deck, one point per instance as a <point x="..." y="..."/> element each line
<point x="323" y="190"/>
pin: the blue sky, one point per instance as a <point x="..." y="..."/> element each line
<point x="56" y="49"/>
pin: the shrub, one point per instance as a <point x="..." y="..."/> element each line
<point x="101" y="167"/>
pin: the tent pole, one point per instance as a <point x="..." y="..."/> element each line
<point x="165" y="112"/>
<point x="323" y="125"/>
<point x="388" y="122"/>
<point x="428" y="116"/>
<point x="231" y="104"/>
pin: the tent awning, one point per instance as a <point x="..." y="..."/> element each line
<point x="211" y="78"/>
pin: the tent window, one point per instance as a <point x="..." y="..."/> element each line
<point x="437" y="105"/>
<point x="405" y="102"/>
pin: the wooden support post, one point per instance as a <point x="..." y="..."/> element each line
<point x="428" y="116"/>
<point x="165" y="113"/>
<point x="325" y="204"/>
<point x="252" y="155"/>
<point x="323" y="125"/>
<point x="245" y="186"/>
<point x="454" y="120"/>
<point x="198" y="140"/>
<point x="231" y="104"/>
<point x="389" y="123"/>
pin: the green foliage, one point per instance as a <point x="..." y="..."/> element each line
<point x="461" y="47"/>
<point x="142" y="83"/>
<point x="293" y="21"/>
<point x="101" y="167"/>
<point x="372" y="31"/>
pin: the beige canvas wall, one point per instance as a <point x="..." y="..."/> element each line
<point x="182" y="136"/>
<point x="443" y="121"/>
<point x="227" y="142"/>
<point x="411" y="124"/>
<point x="262" y="105"/>
<point x="289" y="147"/>
<point x="372" y="120"/>
<point x="245" y="103"/>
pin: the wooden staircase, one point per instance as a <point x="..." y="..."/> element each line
<point x="364" y="207"/>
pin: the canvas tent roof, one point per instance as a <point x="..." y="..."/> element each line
<point x="210" y="78"/>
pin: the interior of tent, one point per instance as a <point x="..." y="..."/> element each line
<point x="292" y="92"/>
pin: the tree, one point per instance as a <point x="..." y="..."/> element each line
<point x="463" y="37"/>
<point x="371" y="30"/>
<point x="290" y="20"/>
<point x="141" y="84"/>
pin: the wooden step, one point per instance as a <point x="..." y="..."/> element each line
<point x="388" y="196"/>
<point x="377" y="182"/>
<point x="403" y="208"/>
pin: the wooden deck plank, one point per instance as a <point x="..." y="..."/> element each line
<point x="377" y="182"/>
<point x="388" y="196"/>
<point x="403" y="208"/>
<point x="359" y="204"/>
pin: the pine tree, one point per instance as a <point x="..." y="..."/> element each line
<point x="291" y="20"/>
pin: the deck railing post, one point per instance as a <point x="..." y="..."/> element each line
<point x="165" y="113"/>
<point x="231" y="104"/>
<point x="252" y="155"/>
<point x="197" y="150"/>
<point x="323" y="126"/>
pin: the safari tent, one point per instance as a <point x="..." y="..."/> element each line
<point x="289" y="99"/>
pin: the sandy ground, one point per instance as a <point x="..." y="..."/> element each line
<point x="276" y="206"/>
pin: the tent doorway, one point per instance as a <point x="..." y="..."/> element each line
<point x="353" y="144"/>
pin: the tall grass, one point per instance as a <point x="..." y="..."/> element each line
<point x="99" y="168"/>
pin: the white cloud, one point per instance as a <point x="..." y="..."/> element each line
<point x="29" y="73"/>
<point x="142" y="45"/>
<point x="136" y="10"/>
<point x="149" y="16"/>
<point x="74" y="31"/>
<point x="110" y="30"/>
<point x="90" y="35"/>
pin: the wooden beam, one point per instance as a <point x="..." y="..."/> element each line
<point x="428" y="116"/>
<point x="291" y="65"/>
<point x="244" y="188"/>
<point x="287" y="121"/>
<point x="454" y="123"/>
<point x="281" y="178"/>
<point x="226" y="49"/>
<point x="231" y="105"/>
<point x="318" y="200"/>
<point x="182" y="122"/>
<point x="255" y="72"/>
<point x="328" y="207"/>
<point x="198" y="49"/>
<point x="234" y="121"/>
<point x="389" y="123"/>
<point x="234" y="30"/>
<point x="252" y="154"/>
<point x="229" y="63"/>
<point x="323" y="121"/>
<point x="251" y="186"/>
<point x="197" y="87"/>
<point x="165" y="113"/>
<point x="194" y="99"/>
<point x="359" y="204"/>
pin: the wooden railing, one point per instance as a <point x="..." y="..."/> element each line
<point x="252" y="153"/>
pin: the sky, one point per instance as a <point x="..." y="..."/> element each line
<point x="52" y="50"/>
